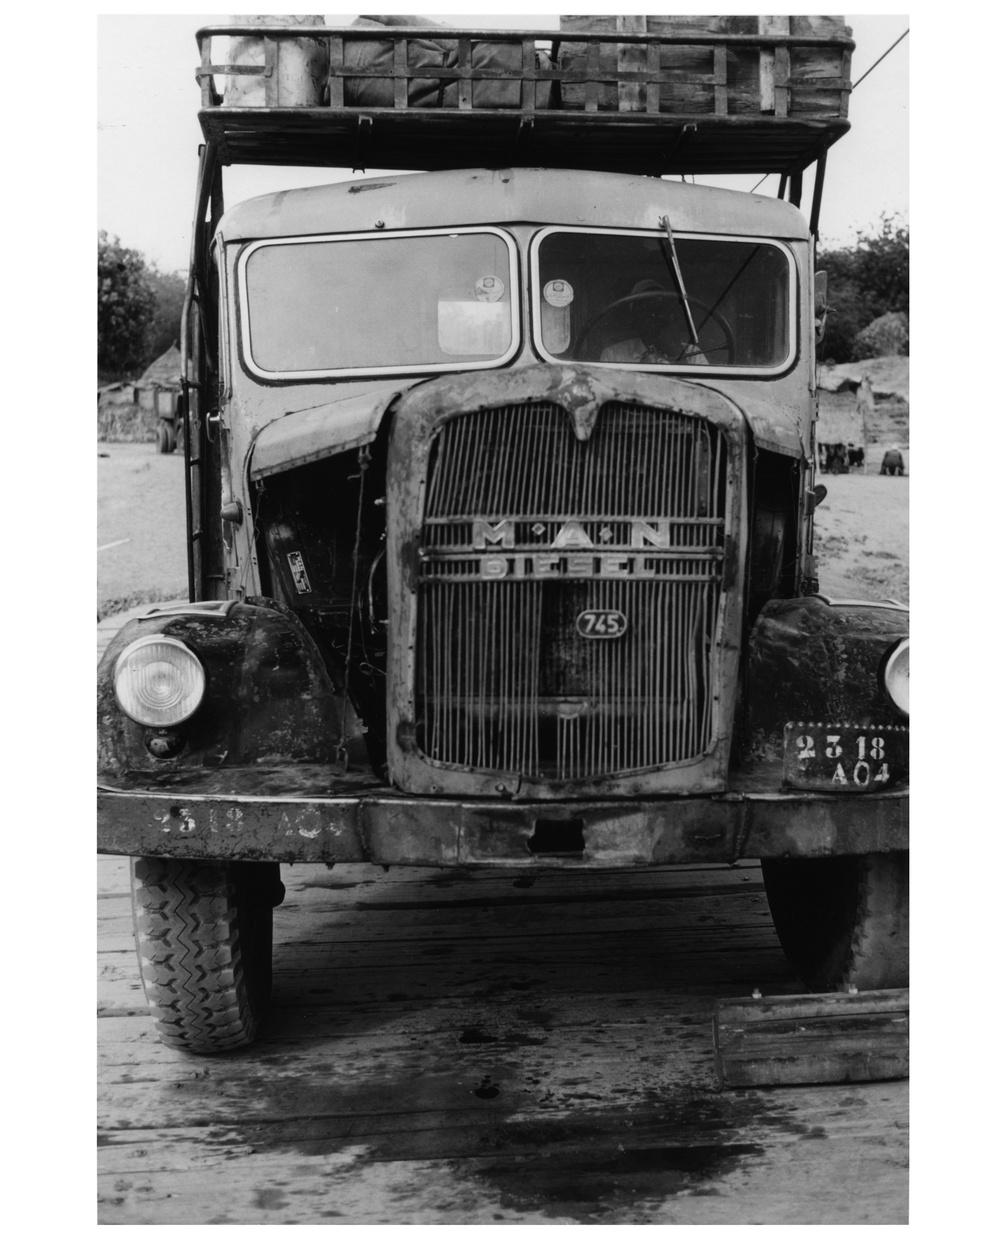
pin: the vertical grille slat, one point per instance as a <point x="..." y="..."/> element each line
<point x="505" y="681"/>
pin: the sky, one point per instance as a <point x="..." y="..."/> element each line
<point x="148" y="132"/>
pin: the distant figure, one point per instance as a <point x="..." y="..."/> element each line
<point x="855" y="456"/>
<point x="892" y="463"/>
<point x="835" y="460"/>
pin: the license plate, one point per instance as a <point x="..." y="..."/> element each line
<point x="845" y="757"/>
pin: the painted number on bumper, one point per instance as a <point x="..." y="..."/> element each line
<point x="845" y="757"/>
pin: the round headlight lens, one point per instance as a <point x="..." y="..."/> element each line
<point x="158" y="681"/>
<point x="896" y="676"/>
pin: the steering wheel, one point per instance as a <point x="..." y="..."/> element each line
<point x="706" y="348"/>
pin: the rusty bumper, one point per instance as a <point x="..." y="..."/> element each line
<point x="385" y="827"/>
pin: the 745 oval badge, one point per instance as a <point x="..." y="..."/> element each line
<point x="601" y="623"/>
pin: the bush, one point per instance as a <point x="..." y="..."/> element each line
<point x="865" y="282"/>
<point x="888" y="335"/>
<point x="125" y="423"/>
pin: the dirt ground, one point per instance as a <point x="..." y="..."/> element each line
<point x="862" y="536"/>
<point x="862" y="529"/>
<point x="141" y="556"/>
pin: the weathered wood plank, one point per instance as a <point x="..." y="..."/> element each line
<point x="720" y="1159"/>
<point x="862" y="1111"/>
<point x="809" y="1040"/>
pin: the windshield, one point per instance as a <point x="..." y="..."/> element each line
<point x="379" y="304"/>
<point x="618" y="298"/>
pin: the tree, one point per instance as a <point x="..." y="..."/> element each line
<point x="126" y="303"/>
<point x="865" y="281"/>
<point x="165" y="328"/>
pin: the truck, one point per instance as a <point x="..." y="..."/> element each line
<point x="500" y="485"/>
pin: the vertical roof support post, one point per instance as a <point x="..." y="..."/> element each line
<point x="817" y="198"/>
<point x="630" y="59"/>
<point x="208" y="96"/>
<point x="335" y="73"/>
<point x="720" y="68"/>
<point x="592" y="86"/>
<point x="774" y="68"/>
<point x="653" y="71"/>
<point x="465" y="72"/>
<point x="207" y="210"/>
<point x="400" y="80"/>
<point x="272" y="96"/>
<point x="529" y="84"/>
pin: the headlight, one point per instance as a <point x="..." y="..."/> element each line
<point x="895" y="675"/>
<point x="158" y="681"/>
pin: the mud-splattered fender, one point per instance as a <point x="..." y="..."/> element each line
<point x="269" y="698"/>
<point x="817" y="659"/>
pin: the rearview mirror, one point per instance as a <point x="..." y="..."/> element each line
<point x="820" y="305"/>
<point x="821" y="287"/>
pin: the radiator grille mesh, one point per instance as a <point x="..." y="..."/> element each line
<point x="527" y="527"/>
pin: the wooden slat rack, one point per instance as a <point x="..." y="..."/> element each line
<point x="768" y="135"/>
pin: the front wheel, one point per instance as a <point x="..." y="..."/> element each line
<point x="844" y="921"/>
<point x="203" y="938"/>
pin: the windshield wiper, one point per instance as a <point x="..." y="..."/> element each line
<point x="678" y="277"/>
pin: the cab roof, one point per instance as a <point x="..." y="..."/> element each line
<point x="482" y="196"/>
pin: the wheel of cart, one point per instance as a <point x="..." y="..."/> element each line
<point x="843" y="921"/>
<point x="203" y="938"/>
<point x="165" y="439"/>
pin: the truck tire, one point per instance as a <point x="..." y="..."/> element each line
<point x="164" y="438"/>
<point x="203" y="938"/>
<point x="843" y="921"/>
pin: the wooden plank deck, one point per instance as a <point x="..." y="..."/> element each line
<point x="475" y="1048"/>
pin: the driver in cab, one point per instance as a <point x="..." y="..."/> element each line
<point x="654" y="330"/>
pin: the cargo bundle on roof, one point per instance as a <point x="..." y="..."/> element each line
<point x="698" y="95"/>
<point x="712" y="77"/>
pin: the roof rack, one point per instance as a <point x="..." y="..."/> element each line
<point x="445" y="98"/>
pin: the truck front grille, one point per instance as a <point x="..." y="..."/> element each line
<point x="569" y="590"/>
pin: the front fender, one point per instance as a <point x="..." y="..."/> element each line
<point x="269" y="698"/>
<point x="817" y="659"/>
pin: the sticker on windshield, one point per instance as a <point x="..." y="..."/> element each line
<point x="489" y="290"/>
<point x="558" y="293"/>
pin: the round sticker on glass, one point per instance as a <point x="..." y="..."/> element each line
<point x="558" y="293"/>
<point x="489" y="290"/>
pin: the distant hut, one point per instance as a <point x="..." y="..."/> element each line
<point x="161" y="383"/>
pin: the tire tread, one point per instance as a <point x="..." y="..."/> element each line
<point x="206" y="980"/>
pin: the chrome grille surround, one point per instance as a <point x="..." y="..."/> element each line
<point x="621" y="496"/>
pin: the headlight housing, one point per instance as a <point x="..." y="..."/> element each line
<point x="894" y="675"/>
<point x="159" y="681"/>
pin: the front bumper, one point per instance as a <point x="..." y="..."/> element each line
<point x="381" y="826"/>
